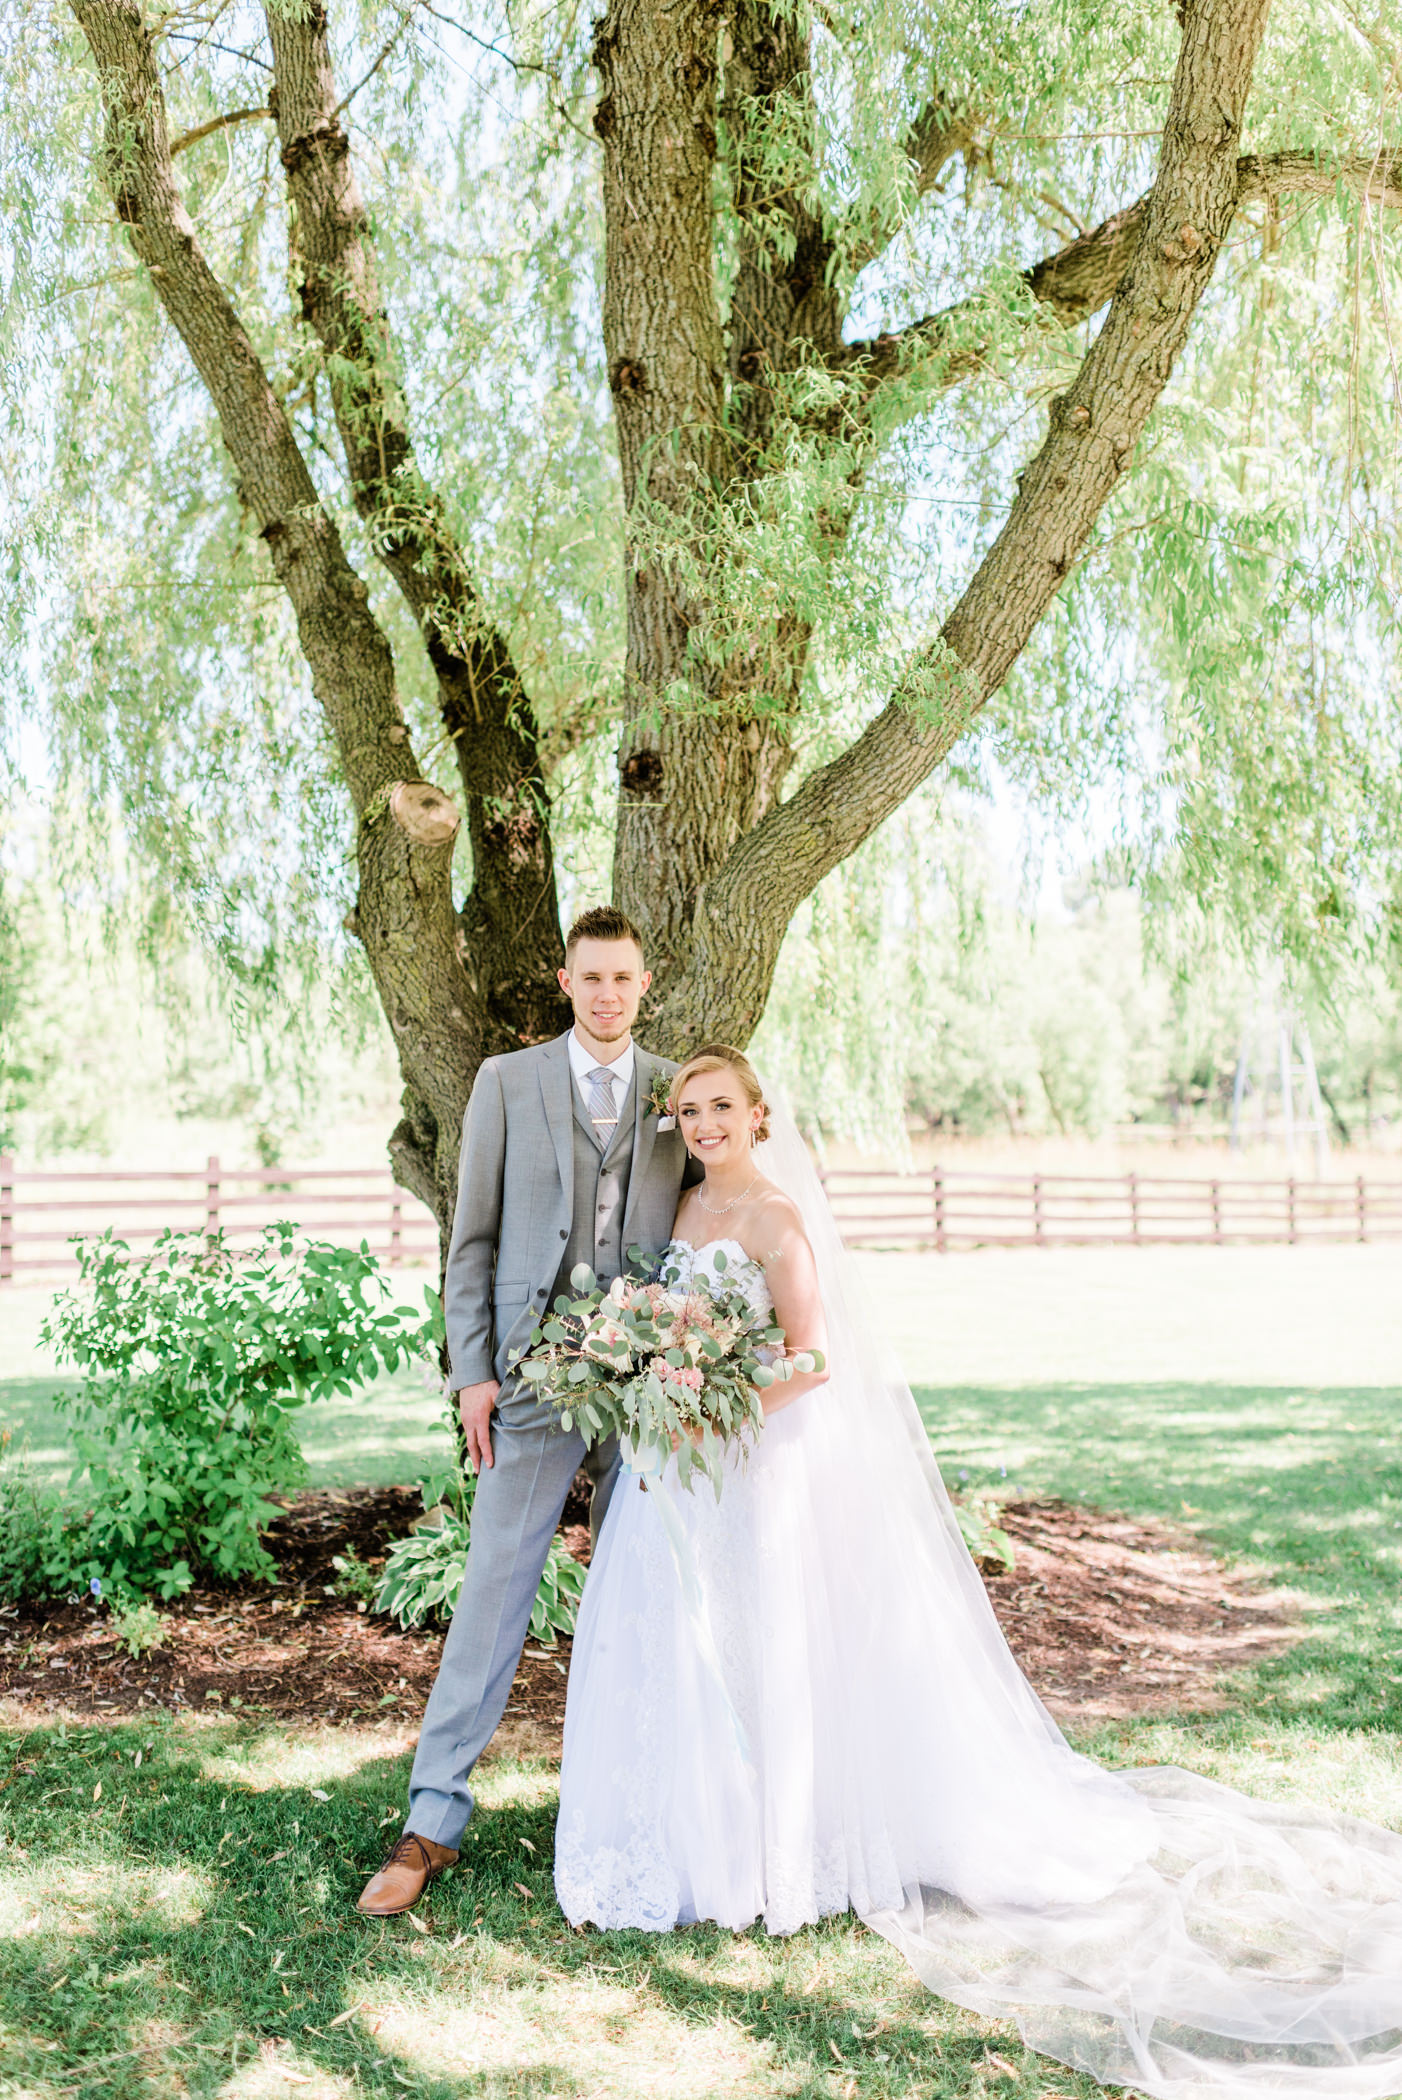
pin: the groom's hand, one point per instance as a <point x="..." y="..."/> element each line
<point x="475" y="1404"/>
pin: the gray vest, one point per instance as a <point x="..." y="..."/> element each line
<point x="600" y="1192"/>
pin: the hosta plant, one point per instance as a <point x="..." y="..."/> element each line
<point x="990" y="1546"/>
<point x="423" y="1573"/>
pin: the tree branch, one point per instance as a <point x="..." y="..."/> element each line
<point x="1071" y="284"/>
<point x="404" y="859"/>
<point x="1093" y="431"/>
<point x="942" y="130"/>
<point x="787" y="293"/>
<point x="224" y="123"/>
<point x="329" y="599"/>
<point x="1376" y="177"/>
<point x="512" y="913"/>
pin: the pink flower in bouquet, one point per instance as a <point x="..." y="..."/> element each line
<point x="678" y="1374"/>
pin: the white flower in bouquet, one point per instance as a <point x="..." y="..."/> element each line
<point x="607" y="1342"/>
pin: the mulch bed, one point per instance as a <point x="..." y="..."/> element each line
<point x="1111" y="1616"/>
<point x="1108" y="1616"/>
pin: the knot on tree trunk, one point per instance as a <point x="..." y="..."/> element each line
<point x="629" y="376"/>
<point x="323" y="140"/>
<point x="641" y="773"/>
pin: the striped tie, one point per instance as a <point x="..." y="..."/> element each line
<point x="603" y="1109"/>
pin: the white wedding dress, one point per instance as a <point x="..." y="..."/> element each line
<point x="796" y="1700"/>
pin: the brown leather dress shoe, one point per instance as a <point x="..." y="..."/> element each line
<point x="404" y="1876"/>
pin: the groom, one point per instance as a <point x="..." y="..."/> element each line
<point x="563" y="1161"/>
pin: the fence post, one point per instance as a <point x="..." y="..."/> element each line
<point x="7" y="1218"/>
<point x="1290" y="1209"/>
<point x="395" y="1220"/>
<point x="1037" y="1208"/>
<point x="1362" y="1209"/>
<point x="211" y="1195"/>
<point x="1216" y="1213"/>
<point x="937" y="1180"/>
<point x="1133" y="1180"/>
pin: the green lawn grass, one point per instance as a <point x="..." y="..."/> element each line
<point x="391" y="1431"/>
<point x="190" y="1930"/>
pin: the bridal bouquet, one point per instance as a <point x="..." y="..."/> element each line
<point x="664" y="1368"/>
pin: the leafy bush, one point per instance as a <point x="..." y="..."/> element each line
<point x="25" y="1521"/>
<point x="423" y="1574"/>
<point x="195" y="1358"/>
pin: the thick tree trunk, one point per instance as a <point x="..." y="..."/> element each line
<point x="695" y="432"/>
<point x="698" y="764"/>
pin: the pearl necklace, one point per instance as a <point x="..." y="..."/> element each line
<point x="714" y="1211"/>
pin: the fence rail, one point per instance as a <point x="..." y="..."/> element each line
<point x="943" y="1208"/>
<point x="936" y="1207"/>
<point x="41" y="1211"/>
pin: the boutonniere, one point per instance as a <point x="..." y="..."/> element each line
<point x="659" y="1101"/>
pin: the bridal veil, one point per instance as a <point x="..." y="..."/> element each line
<point x="1148" y="1927"/>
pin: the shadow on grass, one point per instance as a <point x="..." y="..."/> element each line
<point x="184" y="1926"/>
<point x="1303" y="1482"/>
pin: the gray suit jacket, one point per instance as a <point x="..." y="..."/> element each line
<point x="516" y="1196"/>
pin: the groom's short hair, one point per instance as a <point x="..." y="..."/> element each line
<point x="601" y="923"/>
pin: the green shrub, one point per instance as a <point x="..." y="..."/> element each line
<point x="355" y="1578"/>
<point x="137" y="1626"/>
<point x="24" y="1521"/>
<point x="43" y="1542"/>
<point x="422" y="1576"/>
<point x="194" y="1360"/>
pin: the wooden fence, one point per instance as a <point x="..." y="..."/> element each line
<point x="41" y="1211"/>
<point x="941" y="1208"/>
<point x="936" y="1207"/>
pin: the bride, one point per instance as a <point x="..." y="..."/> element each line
<point x="795" y="1699"/>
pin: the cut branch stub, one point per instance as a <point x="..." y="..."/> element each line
<point x="424" y="813"/>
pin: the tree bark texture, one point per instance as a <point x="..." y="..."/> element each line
<point x="692" y="778"/>
<point x="511" y="917"/>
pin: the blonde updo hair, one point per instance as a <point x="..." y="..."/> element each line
<point x="721" y="1057"/>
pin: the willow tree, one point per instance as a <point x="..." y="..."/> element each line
<point x="817" y="255"/>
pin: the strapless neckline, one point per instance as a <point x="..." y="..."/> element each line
<point x="738" y="1271"/>
<point x="697" y="1252"/>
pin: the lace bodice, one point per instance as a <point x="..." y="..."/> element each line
<point x="739" y="1271"/>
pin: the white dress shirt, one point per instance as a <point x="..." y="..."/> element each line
<point x="582" y="1064"/>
